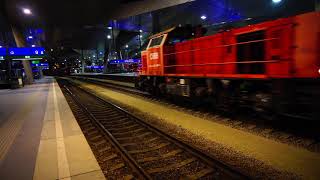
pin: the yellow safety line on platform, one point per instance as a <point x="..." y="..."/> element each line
<point x="63" y="166"/>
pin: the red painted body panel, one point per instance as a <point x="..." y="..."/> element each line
<point x="154" y="63"/>
<point x="144" y="61"/>
<point x="290" y="49"/>
<point x="307" y="45"/>
<point x="183" y="58"/>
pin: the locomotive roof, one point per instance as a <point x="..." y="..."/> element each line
<point x="163" y="32"/>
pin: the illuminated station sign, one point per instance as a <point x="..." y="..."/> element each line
<point x="3" y="53"/>
<point x="26" y="51"/>
<point x="33" y="53"/>
<point x="125" y="61"/>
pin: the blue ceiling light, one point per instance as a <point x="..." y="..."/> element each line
<point x="30" y="37"/>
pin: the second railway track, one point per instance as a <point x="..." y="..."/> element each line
<point x="148" y="152"/>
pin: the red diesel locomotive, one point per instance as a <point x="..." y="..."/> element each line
<point x="272" y="66"/>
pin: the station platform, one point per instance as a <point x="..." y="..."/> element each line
<point x="40" y="138"/>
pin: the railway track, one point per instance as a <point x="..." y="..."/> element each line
<point x="139" y="149"/>
<point x="286" y="129"/>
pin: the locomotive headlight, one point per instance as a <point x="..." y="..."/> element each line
<point x="319" y="71"/>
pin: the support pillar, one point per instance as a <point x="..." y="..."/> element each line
<point x="317" y="5"/>
<point x="155" y="22"/>
<point x="7" y="59"/>
<point x="20" y="41"/>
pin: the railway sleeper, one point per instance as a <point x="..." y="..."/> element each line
<point x="172" y="166"/>
<point x="134" y="137"/>
<point x="149" y="149"/>
<point x="128" y="132"/>
<point x="167" y="155"/>
<point x="123" y="128"/>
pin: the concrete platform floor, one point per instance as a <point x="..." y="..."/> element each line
<point x="40" y="138"/>
<point x="280" y="156"/>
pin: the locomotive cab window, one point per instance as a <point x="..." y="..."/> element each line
<point x="251" y="50"/>
<point x="156" y="42"/>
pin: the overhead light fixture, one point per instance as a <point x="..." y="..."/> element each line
<point x="276" y="1"/>
<point x="141" y="30"/>
<point x="26" y="11"/>
<point x="33" y="45"/>
<point x="0" y="46"/>
<point x="203" y="17"/>
<point x="30" y="37"/>
<point x="109" y="27"/>
<point x="127" y="45"/>
<point x="109" y="37"/>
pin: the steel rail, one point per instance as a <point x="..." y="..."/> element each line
<point x="133" y="164"/>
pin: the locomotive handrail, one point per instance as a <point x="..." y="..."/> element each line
<point x="243" y="62"/>
<point x="248" y="42"/>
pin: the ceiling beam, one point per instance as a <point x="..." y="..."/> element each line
<point x="144" y="6"/>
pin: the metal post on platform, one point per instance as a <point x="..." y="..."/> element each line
<point x="82" y="61"/>
<point x="106" y="55"/>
